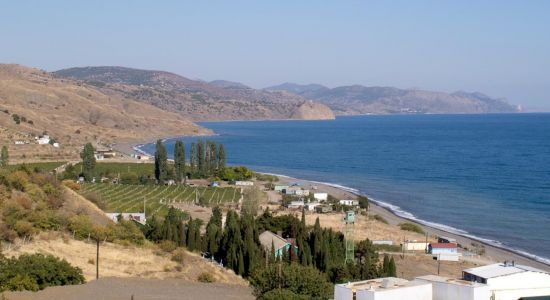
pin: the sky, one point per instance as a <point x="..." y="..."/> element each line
<point x="500" y="48"/>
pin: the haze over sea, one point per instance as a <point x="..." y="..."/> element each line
<point x="486" y="176"/>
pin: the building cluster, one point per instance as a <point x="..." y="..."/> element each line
<point x="135" y="216"/>
<point x="313" y="201"/>
<point x="40" y="140"/>
<point x="501" y="281"/>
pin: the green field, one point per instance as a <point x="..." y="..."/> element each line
<point x="114" y="169"/>
<point x="43" y="166"/>
<point x="130" y="198"/>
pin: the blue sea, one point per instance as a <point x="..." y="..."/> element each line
<point x="483" y="176"/>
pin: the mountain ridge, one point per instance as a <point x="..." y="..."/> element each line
<point x="359" y="99"/>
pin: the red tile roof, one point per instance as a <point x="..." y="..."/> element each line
<point x="443" y="245"/>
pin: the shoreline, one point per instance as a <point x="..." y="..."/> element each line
<point x="494" y="252"/>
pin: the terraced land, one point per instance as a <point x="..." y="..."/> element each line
<point x="157" y="198"/>
<point x="43" y="166"/>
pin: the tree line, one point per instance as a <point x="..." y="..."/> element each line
<point x="237" y="246"/>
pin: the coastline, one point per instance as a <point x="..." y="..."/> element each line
<point x="494" y="251"/>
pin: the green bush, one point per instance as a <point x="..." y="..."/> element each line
<point x="285" y="294"/>
<point x="36" y="272"/>
<point x="167" y="246"/>
<point x="206" y="278"/>
<point x="381" y="219"/>
<point x="179" y="255"/>
<point x="301" y="280"/>
<point x="411" y="227"/>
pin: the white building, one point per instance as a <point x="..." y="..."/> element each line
<point x="390" y="288"/>
<point x="43" y="140"/>
<point x="244" y="183"/>
<point x="295" y="204"/>
<point x="455" y="289"/>
<point x="320" y="196"/>
<point x="311" y="206"/>
<point x="20" y="142"/>
<point x="415" y="246"/>
<point x="508" y="281"/>
<point x="382" y="242"/>
<point x="138" y="217"/>
<point x="349" y="202"/>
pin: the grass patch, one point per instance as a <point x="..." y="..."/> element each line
<point x="388" y="248"/>
<point x="37" y="167"/>
<point x="114" y="169"/>
<point x="206" y="277"/>
<point x="411" y="227"/>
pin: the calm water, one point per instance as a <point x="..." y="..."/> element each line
<point x="481" y="175"/>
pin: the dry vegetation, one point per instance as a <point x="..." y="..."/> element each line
<point x="124" y="261"/>
<point x="73" y="113"/>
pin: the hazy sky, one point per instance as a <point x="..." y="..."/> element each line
<point x="501" y="48"/>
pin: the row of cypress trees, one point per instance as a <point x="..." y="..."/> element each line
<point x="205" y="159"/>
<point x="237" y="245"/>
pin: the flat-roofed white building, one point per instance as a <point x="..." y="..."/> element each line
<point x="415" y="246"/>
<point x="320" y="196"/>
<point x="455" y="289"/>
<point x="349" y="202"/>
<point x="138" y="217"/>
<point x="244" y="183"/>
<point x="389" y="288"/>
<point x="508" y="281"/>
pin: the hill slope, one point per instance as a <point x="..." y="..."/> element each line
<point x="198" y="100"/>
<point x="73" y="113"/>
<point x="358" y="99"/>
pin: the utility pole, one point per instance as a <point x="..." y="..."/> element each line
<point x="97" y="260"/>
<point x="438" y="263"/>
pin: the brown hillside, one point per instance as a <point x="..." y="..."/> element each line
<point x="73" y="113"/>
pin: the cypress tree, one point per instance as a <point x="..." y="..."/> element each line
<point x="193" y="159"/>
<point x="4" y="157"/>
<point x="191" y="235"/>
<point x="182" y="234"/>
<point x="161" y="163"/>
<point x="200" y="158"/>
<point x="179" y="160"/>
<point x="240" y="264"/>
<point x="221" y="157"/>
<point x="88" y="161"/>
<point x="392" y="272"/>
<point x="385" y="266"/>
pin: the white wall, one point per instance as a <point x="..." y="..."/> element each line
<point x="417" y="292"/>
<point x="519" y="285"/>
<point x="450" y="291"/>
<point x="342" y="293"/>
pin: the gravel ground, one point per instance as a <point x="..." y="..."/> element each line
<point x="137" y="289"/>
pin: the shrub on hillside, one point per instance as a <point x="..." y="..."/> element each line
<point x="379" y="218"/>
<point x="411" y="227"/>
<point x="179" y="255"/>
<point x="206" y="277"/>
<point x="71" y="184"/>
<point x="37" y="271"/>
<point x="167" y="246"/>
<point x="285" y="294"/>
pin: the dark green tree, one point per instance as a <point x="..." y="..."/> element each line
<point x="221" y="157"/>
<point x="179" y="161"/>
<point x="4" y="157"/>
<point x="88" y="161"/>
<point x="161" y="163"/>
<point x="200" y="159"/>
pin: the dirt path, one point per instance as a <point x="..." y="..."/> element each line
<point x="137" y="289"/>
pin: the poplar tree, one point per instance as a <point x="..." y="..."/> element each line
<point x="161" y="163"/>
<point x="4" y="157"/>
<point x="88" y="161"/>
<point x="179" y="160"/>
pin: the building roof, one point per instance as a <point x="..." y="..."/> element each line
<point x="500" y="269"/>
<point x="268" y="238"/>
<point x="436" y="278"/>
<point x="443" y="245"/>
<point x="381" y="284"/>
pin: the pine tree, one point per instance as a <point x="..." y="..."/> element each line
<point x="179" y="160"/>
<point x="161" y="163"/>
<point x="88" y="161"/>
<point x="4" y="157"/>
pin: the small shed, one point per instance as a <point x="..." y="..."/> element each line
<point x="320" y="196"/>
<point x="269" y="239"/>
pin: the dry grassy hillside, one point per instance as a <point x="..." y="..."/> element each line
<point x="73" y="113"/>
